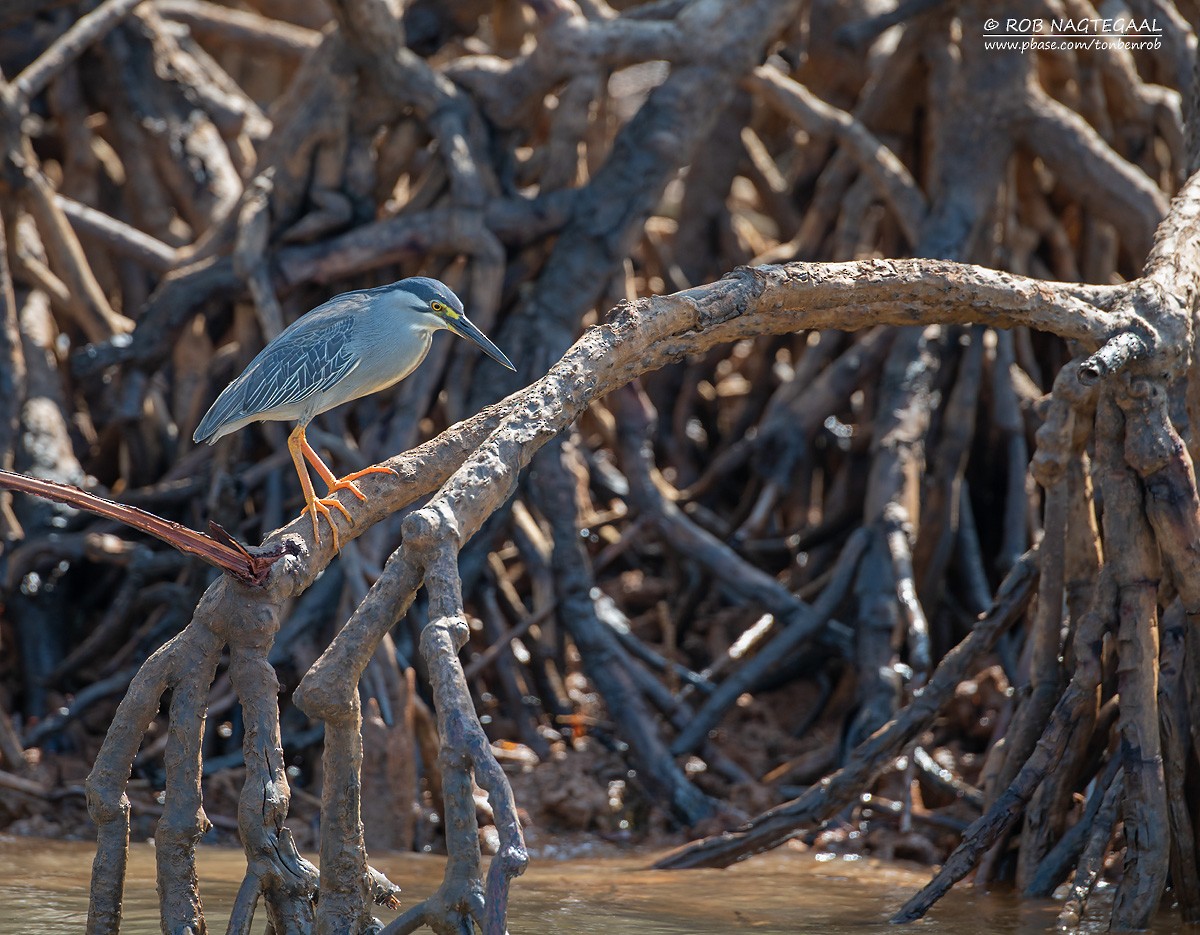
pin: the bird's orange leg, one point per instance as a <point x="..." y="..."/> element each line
<point x="333" y="483"/>
<point x="312" y="503"/>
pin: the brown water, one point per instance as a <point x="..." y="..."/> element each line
<point x="43" y="891"/>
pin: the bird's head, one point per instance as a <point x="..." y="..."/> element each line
<point x="438" y="307"/>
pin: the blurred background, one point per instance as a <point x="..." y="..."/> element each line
<point x="206" y="172"/>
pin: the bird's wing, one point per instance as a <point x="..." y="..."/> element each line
<point x="314" y="359"/>
<point x="314" y="355"/>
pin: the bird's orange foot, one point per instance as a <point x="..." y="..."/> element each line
<point x="321" y="505"/>
<point x="347" y="482"/>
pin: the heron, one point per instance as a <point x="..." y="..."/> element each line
<point x="355" y="344"/>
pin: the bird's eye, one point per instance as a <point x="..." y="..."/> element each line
<point x="437" y="306"/>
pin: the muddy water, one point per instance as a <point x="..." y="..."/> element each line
<point x="43" y="891"/>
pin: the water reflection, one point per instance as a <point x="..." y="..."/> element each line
<point x="43" y="891"/>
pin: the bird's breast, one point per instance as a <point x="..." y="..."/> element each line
<point x="385" y="359"/>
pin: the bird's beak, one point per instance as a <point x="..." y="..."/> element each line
<point x="464" y="329"/>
